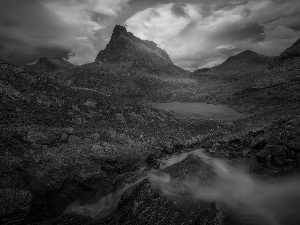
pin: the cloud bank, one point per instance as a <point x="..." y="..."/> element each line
<point x="195" y="33"/>
<point x="206" y="34"/>
<point x="30" y="29"/>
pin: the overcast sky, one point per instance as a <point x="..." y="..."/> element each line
<point x="195" y="33"/>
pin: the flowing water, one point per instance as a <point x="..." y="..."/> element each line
<point x="200" y="110"/>
<point x="251" y="200"/>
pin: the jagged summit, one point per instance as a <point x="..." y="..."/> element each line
<point x="119" y="30"/>
<point x="125" y="47"/>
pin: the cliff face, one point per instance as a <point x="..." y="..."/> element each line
<point x="125" y="47"/>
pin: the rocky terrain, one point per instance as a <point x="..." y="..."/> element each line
<point x="245" y="70"/>
<point x="277" y="91"/>
<point x="78" y="146"/>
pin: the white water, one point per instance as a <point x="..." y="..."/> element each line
<point x="104" y="206"/>
<point x="251" y="200"/>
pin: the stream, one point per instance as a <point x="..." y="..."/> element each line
<point x="251" y="199"/>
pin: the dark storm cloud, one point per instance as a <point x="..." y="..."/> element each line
<point x="203" y="32"/>
<point x="228" y="50"/>
<point x="212" y="30"/>
<point x="27" y="30"/>
<point x="290" y="20"/>
<point x="179" y="9"/>
<point x="235" y="32"/>
<point x="246" y="12"/>
<point x="30" y="29"/>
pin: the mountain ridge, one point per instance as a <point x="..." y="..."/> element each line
<point x="45" y="64"/>
<point x="240" y="62"/>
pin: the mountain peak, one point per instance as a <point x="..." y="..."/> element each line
<point x="248" y="57"/>
<point x="119" y="30"/>
<point x="45" y="64"/>
<point x="247" y="53"/>
<point x="42" y="60"/>
<point x="244" y="61"/>
<point x="125" y="47"/>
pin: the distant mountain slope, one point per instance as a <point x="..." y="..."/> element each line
<point x="48" y="65"/>
<point x="245" y="58"/>
<point x="241" y="64"/>
<point x="279" y="90"/>
<point x="290" y="57"/>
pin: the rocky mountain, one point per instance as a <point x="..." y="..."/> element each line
<point x="245" y="70"/>
<point x="49" y="65"/>
<point x="239" y="65"/>
<point x="144" y="55"/>
<point x="131" y="68"/>
<point x="246" y="57"/>
<point x="124" y="46"/>
<point x="276" y="92"/>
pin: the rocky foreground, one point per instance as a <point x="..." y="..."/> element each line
<point x="59" y="144"/>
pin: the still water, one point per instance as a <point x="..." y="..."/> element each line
<point x="200" y="110"/>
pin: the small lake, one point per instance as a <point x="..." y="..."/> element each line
<point x="200" y="110"/>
